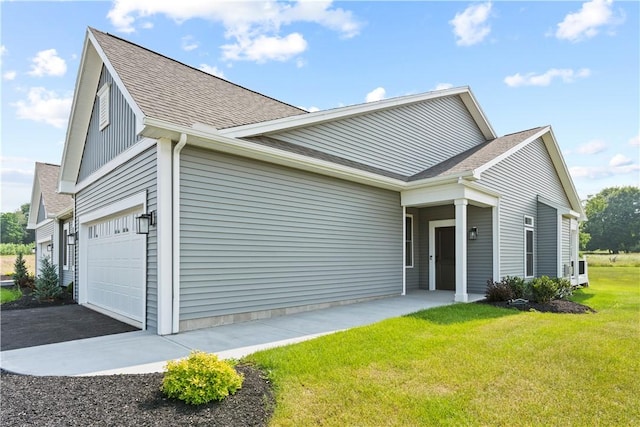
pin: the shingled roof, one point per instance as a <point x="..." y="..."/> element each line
<point x="54" y="202"/>
<point x="477" y="156"/>
<point x="166" y="89"/>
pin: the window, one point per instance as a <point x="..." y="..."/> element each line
<point x="528" y="247"/>
<point x="103" y="105"/>
<point x="408" y="241"/>
<point x="66" y="255"/>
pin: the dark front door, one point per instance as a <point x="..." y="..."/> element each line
<point x="446" y="258"/>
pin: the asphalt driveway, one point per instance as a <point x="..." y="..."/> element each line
<point x="30" y="327"/>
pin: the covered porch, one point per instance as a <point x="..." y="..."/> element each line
<point x="451" y="239"/>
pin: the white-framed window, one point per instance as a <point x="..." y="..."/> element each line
<point x="103" y="105"/>
<point x="529" y="247"/>
<point x="66" y="250"/>
<point x="408" y="241"/>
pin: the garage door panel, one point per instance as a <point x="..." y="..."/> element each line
<point x="116" y="267"/>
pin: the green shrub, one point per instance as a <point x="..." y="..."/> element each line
<point x="564" y="289"/>
<point x="498" y="291"/>
<point x="200" y="378"/>
<point x="15" y="248"/>
<point x="47" y="283"/>
<point x="21" y="277"/>
<point x="543" y="289"/>
<point x="519" y="287"/>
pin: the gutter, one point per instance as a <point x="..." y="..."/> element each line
<point x="175" y="196"/>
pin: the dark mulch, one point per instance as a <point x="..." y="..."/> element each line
<point x="132" y="400"/>
<point x="29" y="301"/>
<point x="554" y="306"/>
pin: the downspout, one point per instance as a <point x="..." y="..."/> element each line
<point x="175" y="323"/>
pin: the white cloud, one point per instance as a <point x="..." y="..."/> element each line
<point x="45" y="106"/>
<point x="376" y="95"/>
<point x="9" y="75"/>
<point x="253" y="27"/>
<point x="310" y="109"/>
<point x="592" y="147"/>
<point x="3" y="52"/>
<point x="264" y="48"/>
<point x="470" y="26"/>
<point x="587" y="21"/>
<point x="48" y="63"/>
<point x="635" y="140"/>
<point x="212" y="69"/>
<point x="620" y="160"/>
<point x="443" y="86"/>
<point x="189" y="43"/>
<point x="567" y="75"/>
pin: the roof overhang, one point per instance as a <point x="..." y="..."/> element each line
<point x="319" y="117"/>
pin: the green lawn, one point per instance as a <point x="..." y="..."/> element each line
<point x="9" y="294"/>
<point x="471" y="364"/>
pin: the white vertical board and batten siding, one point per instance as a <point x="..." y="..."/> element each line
<point x="257" y="237"/>
<point x="404" y="140"/>
<point x="138" y="174"/>
<point x="519" y="179"/>
<point x="103" y="145"/>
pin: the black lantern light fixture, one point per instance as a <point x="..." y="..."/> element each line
<point x="71" y="239"/>
<point x="145" y="221"/>
<point x="473" y="233"/>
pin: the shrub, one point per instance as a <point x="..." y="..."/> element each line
<point x="200" y="378"/>
<point x="498" y="291"/>
<point x="519" y="287"/>
<point x="47" y="284"/>
<point x="543" y="289"/>
<point x="564" y="288"/>
<point x="21" y="276"/>
<point x="15" y="248"/>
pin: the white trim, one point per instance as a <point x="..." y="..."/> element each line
<point x="412" y="238"/>
<point x="526" y="229"/>
<point x="104" y="95"/>
<point x="432" y="247"/>
<point x="559" y="243"/>
<point x="131" y="202"/>
<point x="119" y="160"/>
<point x="293" y="122"/>
<point x="404" y="252"/>
<point x="461" y="294"/>
<point x="175" y="323"/>
<point x="164" y="228"/>
<point x="495" y="225"/>
<point x="67" y="258"/>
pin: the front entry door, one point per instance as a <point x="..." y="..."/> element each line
<point x="445" y="251"/>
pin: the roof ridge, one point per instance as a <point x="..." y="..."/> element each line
<point x="193" y="68"/>
<point x="523" y="131"/>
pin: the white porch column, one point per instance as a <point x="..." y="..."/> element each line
<point x="165" y="238"/>
<point x="461" y="250"/>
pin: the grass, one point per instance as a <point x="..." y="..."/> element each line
<point x="603" y="259"/>
<point x="9" y="294"/>
<point x="7" y="261"/>
<point x="472" y="364"/>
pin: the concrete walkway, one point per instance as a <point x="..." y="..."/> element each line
<point x="143" y="352"/>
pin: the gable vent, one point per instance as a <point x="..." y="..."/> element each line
<point x="103" y="105"/>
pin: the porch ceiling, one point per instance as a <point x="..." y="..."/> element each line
<point x="448" y="193"/>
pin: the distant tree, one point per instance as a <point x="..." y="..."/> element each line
<point x="613" y="219"/>
<point x="11" y="230"/>
<point x="29" y="235"/>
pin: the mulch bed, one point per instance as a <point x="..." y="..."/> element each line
<point x="29" y="301"/>
<point x="554" y="306"/>
<point x="134" y="400"/>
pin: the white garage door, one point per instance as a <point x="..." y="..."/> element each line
<point x="115" y="266"/>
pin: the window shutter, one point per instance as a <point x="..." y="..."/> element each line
<point x="103" y="106"/>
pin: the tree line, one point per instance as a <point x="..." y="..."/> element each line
<point x="13" y="226"/>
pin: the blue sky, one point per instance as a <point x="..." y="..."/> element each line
<point x="573" y="65"/>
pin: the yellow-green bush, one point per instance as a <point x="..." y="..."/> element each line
<point x="200" y="378"/>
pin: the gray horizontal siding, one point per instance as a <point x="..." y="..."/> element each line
<point x="520" y="178"/>
<point x="137" y="175"/>
<point x="404" y="140"/>
<point x="256" y="236"/>
<point x="413" y="273"/>
<point x="103" y="145"/>
<point x="479" y="251"/>
<point x="547" y="242"/>
<point x="45" y="231"/>
<point x="42" y="213"/>
<point x="566" y="241"/>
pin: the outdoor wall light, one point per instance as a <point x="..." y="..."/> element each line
<point x="71" y="239"/>
<point x="49" y="247"/>
<point x="473" y="233"/>
<point x="145" y="221"/>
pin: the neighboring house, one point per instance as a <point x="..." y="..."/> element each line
<point x="51" y="215"/>
<point x="260" y="208"/>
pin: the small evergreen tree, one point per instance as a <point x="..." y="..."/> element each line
<point x="47" y="283"/>
<point x="20" y="273"/>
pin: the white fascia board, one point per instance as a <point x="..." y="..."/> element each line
<point x="478" y="115"/>
<point x="292" y="122"/>
<point x="64" y="214"/>
<point x="551" y="143"/>
<point x="509" y="152"/>
<point x="214" y="141"/>
<point x="35" y="202"/>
